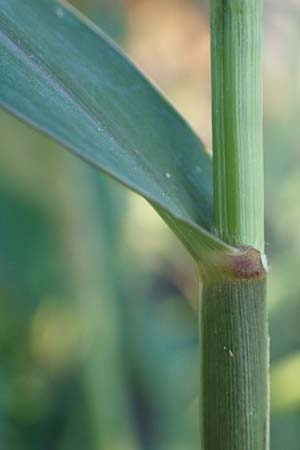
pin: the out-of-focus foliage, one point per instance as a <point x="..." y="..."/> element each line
<point x="87" y="337"/>
<point x="98" y="328"/>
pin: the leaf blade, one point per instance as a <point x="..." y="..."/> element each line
<point x="65" y="77"/>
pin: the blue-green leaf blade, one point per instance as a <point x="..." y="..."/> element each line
<point x="65" y="77"/>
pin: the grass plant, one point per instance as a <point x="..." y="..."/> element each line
<point x="65" y="77"/>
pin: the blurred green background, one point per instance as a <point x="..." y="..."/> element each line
<point x="98" y="320"/>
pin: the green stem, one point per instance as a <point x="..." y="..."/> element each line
<point x="236" y="46"/>
<point x="234" y="355"/>
<point x="233" y="318"/>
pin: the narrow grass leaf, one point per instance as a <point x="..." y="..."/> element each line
<point x="62" y="75"/>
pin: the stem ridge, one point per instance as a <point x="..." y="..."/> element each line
<point x="234" y="357"/>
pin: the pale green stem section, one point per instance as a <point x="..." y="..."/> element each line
<point x="236" y="46"/>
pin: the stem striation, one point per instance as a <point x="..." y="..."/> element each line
<point x="236" y="53"/>
<point x="233" y="319"/>
<point x="234" y="364"/>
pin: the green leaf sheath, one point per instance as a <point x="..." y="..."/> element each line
<point x="62" y="75"/>
<point x="236" y="46"/>
<point x="234" y="365"/>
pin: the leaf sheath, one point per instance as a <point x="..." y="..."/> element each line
<point x="234" y="365"/>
